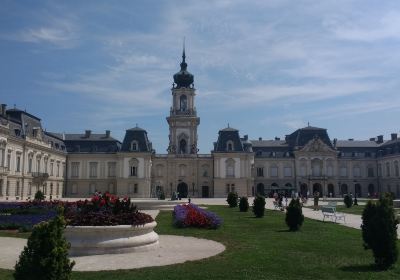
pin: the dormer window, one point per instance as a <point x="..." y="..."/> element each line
<point x="134" y="145"/>
<point x="229" y="146"/>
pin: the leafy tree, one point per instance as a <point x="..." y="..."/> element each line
<point x="39" y="195"/>
<point x="259" y="206"/>
<point x="348" y="201"/>
<point x="294" y="215"/>
<point x="379" y="231"/>
<point x="244" y="204"/>
<point x="46" y="255"/>
<point x="232" y="199"/>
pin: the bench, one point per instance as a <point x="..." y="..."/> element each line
<point x="330" y="212"/>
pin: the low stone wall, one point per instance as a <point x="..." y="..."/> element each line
<point x="99" y="240"/>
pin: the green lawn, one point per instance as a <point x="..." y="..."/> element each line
<point x="263" y="249"/>
<point x="357" y="210"/>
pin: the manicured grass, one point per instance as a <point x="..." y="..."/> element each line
<point x="263" y="249"/>
<point x="14" y="233"/>
<point x="357" y="210"/>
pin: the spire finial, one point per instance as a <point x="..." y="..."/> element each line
<point x="228" y="125"/>
<point x="308" y="123"/>
<point x="136" y="125"/>
<point x="183" y="53"/>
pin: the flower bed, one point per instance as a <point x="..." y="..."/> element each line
<point x="190" y="215"/>
<point x="24" y="215"/>
<point x="104" y="210"/>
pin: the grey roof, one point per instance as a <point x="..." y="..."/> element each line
<point x="229" y="129"/>
<point x="356" y="144"/>
<point x="140" y="136"/>
<point x="92" y="137"/>
<point x="230" y="134"/>
<point x="269" y="143"/>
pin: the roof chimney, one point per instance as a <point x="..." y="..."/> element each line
<point x="351" y="139"/>
<point x="372" y="139"/>
<point x="277" y="138"/>
<point x="108" y="133"/>
<point x="393" y="136"/>
<point x="246" y="137"/>
<point x="380" y="139"/>
<point x="259" y="138"/>
<point x="3" y="109"/>
<point x="87" y="133"/>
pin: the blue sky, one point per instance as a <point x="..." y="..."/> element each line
<point x="265" y="67"/>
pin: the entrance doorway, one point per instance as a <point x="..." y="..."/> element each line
<point x="357" y="190"/>
<point x="331" y="190"/>
<point x="371" y="190"/>
<point x="204" y="191"/>
<point x="260" y="189"/>
<point x="343" y="189"/>
<point x="303" y="189"/>
<point x="182" y="190"/>
<point x="317" y="188"/>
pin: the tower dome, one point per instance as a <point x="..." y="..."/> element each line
<point x="183" y="78"/>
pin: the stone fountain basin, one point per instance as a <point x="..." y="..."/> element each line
<point x="100" y="240"/>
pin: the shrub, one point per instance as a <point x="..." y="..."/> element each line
<point x="161" y="196"/>
<point x="232" y="199"/>
<point x="39" y="196"/>
<point x="243" y="204"/>
<point x="294" y="215"/>
<point x="348" y="201"/>
<point x="259" y="206"/>
<point x="379" y="231"/>
<point x="190" y="215"/>
<point x="46" y="254"/>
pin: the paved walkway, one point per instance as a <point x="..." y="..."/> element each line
<point x="173" y="249"/>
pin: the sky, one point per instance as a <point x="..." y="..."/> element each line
<point x="265" y="67"/>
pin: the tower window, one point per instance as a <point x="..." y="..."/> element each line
<point x="182" y="146"/>
<point x="183" y="102"/>
<point x="229" y="146"/>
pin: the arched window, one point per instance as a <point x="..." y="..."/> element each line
<point x="134" y="145"/>
<point x="133" y="167"/>
<point x="316" y="167"/>
<point x="183" y="103"/>
<point x="182" y="146"/>
<point x="387" y="169"/>
<point x="230" y="167"/>
<point x="229" y="145"/>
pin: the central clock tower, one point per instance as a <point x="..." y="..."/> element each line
<point x="183" y="120"/>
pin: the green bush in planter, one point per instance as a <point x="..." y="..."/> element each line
<point x="294" y="215"/>
<point x="243" y="204"/>
<point x="39" y="195"/>
<point x="46" y="255"/>
<point x="259" y="206"/>
<point x="232" y="199"/>
<point x="348" y="201"/>
<point x="379" y="231"/>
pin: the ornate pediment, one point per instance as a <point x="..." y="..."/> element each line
<point x="316" y="145"/>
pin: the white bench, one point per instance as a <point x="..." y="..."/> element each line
<point x="330" y="212"/>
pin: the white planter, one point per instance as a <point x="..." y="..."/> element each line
<point x="99" y="240"/>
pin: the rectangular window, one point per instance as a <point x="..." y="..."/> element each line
<point x="75" y="169"/>
<point x="8" y="188"/>
<point x="133" y="171"/>
<point x="30" y="165"/>
<point x="2" y="153"/>
<point x="51" y="168"/>
<point x="260" y="172"/>
<point x="370" y="172"/>
<point x="135" y="188"/>
<point x="38" y="165"/>
<point x="287" y="171"/>
<point x="356" y="172"/>
<point x="303" y="170"/>
<point x="18" y="164"/>
<point x="74" y="189"/>
<point x="93" y="169"/>
<point x="274" y="171"/>
<point x="9" y="161"/>
<point x="45" y="166"/>
<point x="29" y="188"/>
<point x="17" y="190"/>
<point x="329" y="170"/>
<point x="111" y="169"/>
<point x="343" y="171"/>
<point x="58" y="169"/>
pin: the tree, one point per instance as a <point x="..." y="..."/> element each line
<point x="46" y="255"/>
<point x="259" y="206"/>
<point x="243" y="204"/>
<point x="379" y="231"/>
<point x="294" y="215"/>
<point x="232" y="199"/>
<point x="39" y="195"/>
<point x="348" y="201"/>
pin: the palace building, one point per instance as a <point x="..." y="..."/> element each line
<point x="77" y="165"/>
